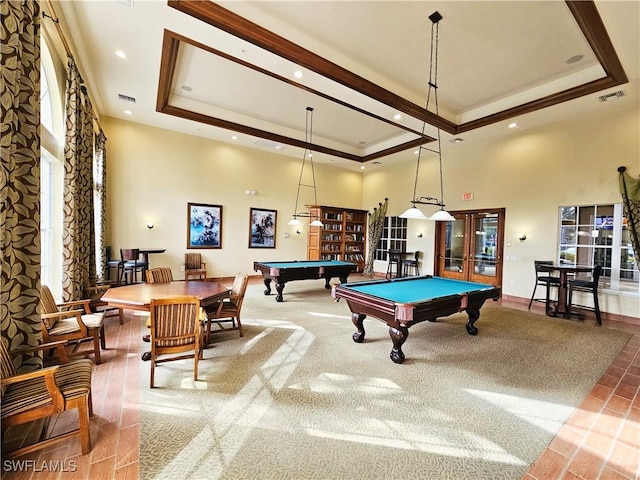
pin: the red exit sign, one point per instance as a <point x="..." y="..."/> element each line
<point x="467" y="196"/>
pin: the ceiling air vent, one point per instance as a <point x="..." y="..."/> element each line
<point x="269" y="144"/>
<point x="126" y="98"/>
<point x="611" y="96"/>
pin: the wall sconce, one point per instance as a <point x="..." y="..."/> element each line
<point x="150" y="225"/>
<point x="522" y="237"/>
<point x="298" y="232"/>
<point x="419" y="235"/>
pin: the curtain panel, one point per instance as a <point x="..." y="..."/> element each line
<point x="20" y="179"/>
<point x="78" y="241"/>
<point x="630" y="191"/>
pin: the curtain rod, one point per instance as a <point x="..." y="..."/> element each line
<point x="54" y="18"/>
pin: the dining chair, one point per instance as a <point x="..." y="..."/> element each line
<point x="132" y="265"/>
<point x="588" y="286"/>
<point x="176" y="328"/>
<point x="394" y="267"/>
<point x="194" y="266"/>
<point x="411" y="263"/>
<point x="543" y="279"/>
<point x="159" y="275"/>
<point x="42" y="393"/>
<point x="94" y="292"/>
<point x="114" y="267"/>
<point x="228" y="311"/>
<point x="73" y="322"/>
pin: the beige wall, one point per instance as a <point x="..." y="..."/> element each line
<point x="154" y="173"/>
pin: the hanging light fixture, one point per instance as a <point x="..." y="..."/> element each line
<point x="307" y="153"/>
<point x="415" y="212"/>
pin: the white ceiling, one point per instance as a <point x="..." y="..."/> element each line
<point x="493" y="56"/>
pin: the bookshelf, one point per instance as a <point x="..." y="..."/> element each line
<point x="343" y="236"/>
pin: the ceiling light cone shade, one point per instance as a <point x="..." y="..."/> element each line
<point x="414" y="213"/>
<point x="294" y="221"/>
<point x="442" y="216"/>
<point x="317" y="223"/>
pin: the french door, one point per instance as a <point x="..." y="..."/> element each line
<point x="470" y="248"/>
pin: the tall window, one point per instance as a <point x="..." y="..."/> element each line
<point x="394" y="237"/>
<point x="598" y="234"/>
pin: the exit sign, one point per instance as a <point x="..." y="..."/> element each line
<point x="467" y="196"/>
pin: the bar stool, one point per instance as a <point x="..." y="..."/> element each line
<point x="411" y="263"/>
<point x="589" y="286"/>
<point x="394" y="267"/>
<point x="546" y="280"/>
<point x="132" y="265"/>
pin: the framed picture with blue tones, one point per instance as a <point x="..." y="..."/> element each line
<point x="204" y="225"/>
<point x="262" y="228"/>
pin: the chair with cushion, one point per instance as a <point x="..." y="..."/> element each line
<point x="159" y="275"/>
<point x="411" y="263"/>
<point x="132" y="265"/>
<point x="113" y="267"/>
<point x="39" y="394"/>
<point x="588" y="286"/>
<point x="176" y="327"/>
<point x="73" y="322"/>
<point x="543" y="279"/>
<point x="194" y="266"/>
<point x="228" y="311"/>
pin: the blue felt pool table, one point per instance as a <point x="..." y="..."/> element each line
<point x="403" y="302"/>
<point x="283" y="272"/>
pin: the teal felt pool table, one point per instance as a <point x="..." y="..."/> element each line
<point x="283" y="272"/>
<point x="403" y="302"/>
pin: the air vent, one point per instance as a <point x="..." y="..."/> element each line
<point x="269" y="144"/>
<point x="126" y="98"/>
<point x="611" y="96"/>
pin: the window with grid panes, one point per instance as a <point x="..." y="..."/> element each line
<point x="598" y="234"/>
<point x="394" y="237"/>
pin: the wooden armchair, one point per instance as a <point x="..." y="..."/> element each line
<point x="94" y="293"/>
<point x="176" y="327"/>
<point x="194" y="266"/>
<point x="74" y="326"/>
<point x="42" y="393"/>
<point x="229" y="309"/>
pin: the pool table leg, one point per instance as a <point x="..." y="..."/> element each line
<point x="326" y="283"/>
<point x="279" y="289"/>
<point x="267" y="283"/>
<point x="474" y="314"/>
<point x="398" y="337"/>
<point x="358" y="320"/>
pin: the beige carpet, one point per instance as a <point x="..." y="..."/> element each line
<point x="296" y="398"/>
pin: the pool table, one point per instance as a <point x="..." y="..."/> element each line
<point x="283" y="272"/>
<point x="403" y="302"/>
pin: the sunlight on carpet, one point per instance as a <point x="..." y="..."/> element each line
<point x="297" y="398"/>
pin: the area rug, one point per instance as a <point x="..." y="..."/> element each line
<point x="296" y="398"/>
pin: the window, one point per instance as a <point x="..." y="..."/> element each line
<point x="598" y="234"/>
<point x="394" y="236"/>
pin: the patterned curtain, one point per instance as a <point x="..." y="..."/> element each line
<point x="20" y="178"/>
<point x="101" y="208"/>
<point x="630" y="191"/>
<point x="78" y="241"/>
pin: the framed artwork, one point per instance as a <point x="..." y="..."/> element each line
<point x="204" y="225"/>
<point x="262" y="228"/>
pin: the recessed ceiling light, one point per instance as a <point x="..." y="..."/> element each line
<point x="120" y="54"/>
<point x="362" y="167"/>
<point x="233" y="137"/>
<point x="457" y="140"/>
<point x="128" y="112"/>
<point x="416" y="152"/>
<point x="574" y="59"/>
<point x="297" y="74"/>
<point x="397" y="116"/>
<point x="513" y="125"/>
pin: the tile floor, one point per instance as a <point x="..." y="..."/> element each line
<point x="601" y="441"/>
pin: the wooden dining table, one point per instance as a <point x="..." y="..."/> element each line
<point x="138" y="296"/>
<point x="560" y="308"/>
